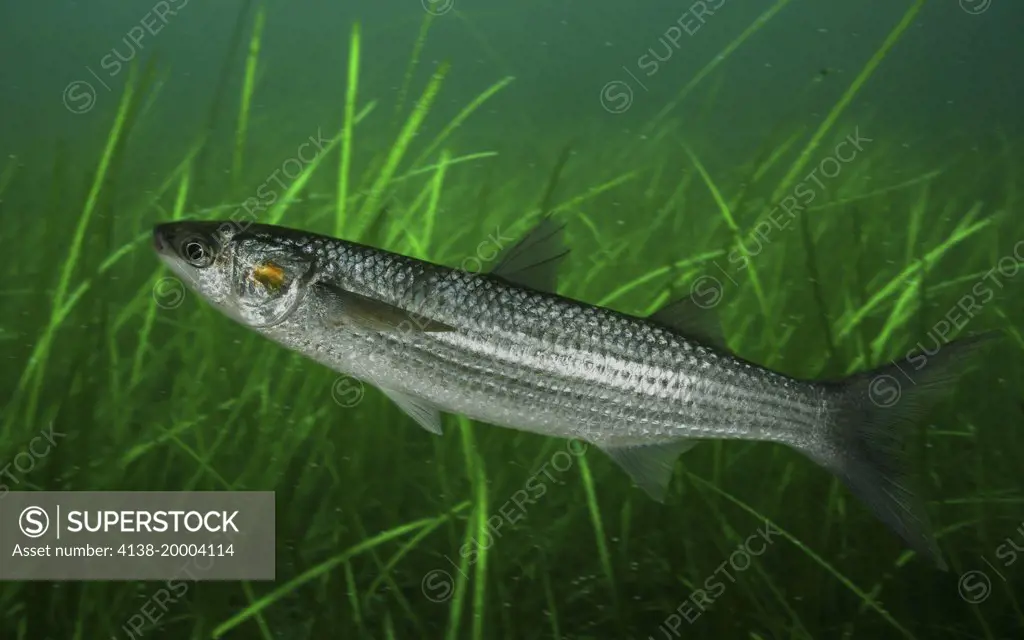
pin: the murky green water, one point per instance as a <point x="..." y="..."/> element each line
<point x="840" y="186"/>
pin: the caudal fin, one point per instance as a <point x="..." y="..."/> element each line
<point x="864" y="438"/>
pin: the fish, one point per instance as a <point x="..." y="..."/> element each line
<point x="503" y="347"/>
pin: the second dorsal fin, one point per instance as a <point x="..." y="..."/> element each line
<point x="691" y="320"/>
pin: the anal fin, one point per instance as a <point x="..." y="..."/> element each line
<point x="650" y="465"/>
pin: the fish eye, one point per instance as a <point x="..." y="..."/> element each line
<point x="197" y="252"/>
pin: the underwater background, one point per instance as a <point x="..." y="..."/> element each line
<point x="840" y="183"/>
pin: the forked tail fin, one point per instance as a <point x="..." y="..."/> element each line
<point x="864" y="440"/>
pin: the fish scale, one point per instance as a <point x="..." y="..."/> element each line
<point x="643" y="389"/>
<point x="503" y="348"/>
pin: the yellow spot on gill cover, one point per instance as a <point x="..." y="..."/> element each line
<point x="269" y="275"/>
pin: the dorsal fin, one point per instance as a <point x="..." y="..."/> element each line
<point x="692" y="320"/>
<point x="533" y="261"/>
<point x="375" y="233"/>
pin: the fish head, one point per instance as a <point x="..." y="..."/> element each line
<point x="253" y="275"/>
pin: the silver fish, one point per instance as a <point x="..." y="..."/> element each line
<point x="502" y="347"/>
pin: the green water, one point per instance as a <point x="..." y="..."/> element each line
<point x="839" y="186"/>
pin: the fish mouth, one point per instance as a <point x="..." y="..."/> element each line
<point x="170" y="237"/>
<point x="164" y="236"/>
<point x="171" y="241"/>
<point x="161" y="238"/>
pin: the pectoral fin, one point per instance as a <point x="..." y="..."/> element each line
<point x="349" y="308"/>
<point x="424" y="413"/>
<point x="650" y="466"/>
